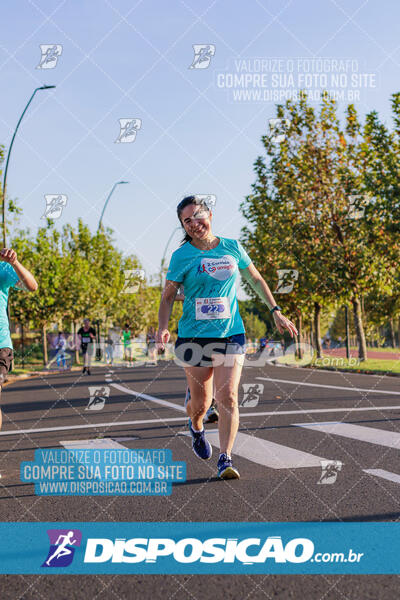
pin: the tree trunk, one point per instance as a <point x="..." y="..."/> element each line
<point x="76" y="344"/>
<point x="44" y="341"/>
<point x="362" y="348"/>
<point x="391" y="333"/>
<point x="299" y="350"/>
<point x="317" y="329"/>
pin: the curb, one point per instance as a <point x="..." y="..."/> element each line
<point x="356" y="371"/>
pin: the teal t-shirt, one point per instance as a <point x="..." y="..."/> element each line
<point x="210" y="308"/>
<point x="8" y="278"/>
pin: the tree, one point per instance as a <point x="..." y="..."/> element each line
<point x="79" y="275"/>
<point x="301" y="217"/>
<point x="254" y="327"/>
<point x="43" y="257"/>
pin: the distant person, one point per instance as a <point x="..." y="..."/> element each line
<point x="60" y="345"/>
<point x="109" y="350"/>
<point x="126" y="335"/>
<point x="87" y="336"/>
<point x="151" y="345"/>
<point x="263" y="343"/>
<point x="12" y="274"/>
<point x="61" y="357"/>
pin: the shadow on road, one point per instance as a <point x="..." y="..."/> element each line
<point x="391" y="516"/>
<point x="198" y="480"/>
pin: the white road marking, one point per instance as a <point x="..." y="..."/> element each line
<point x="380" y="437"/>
<point x="266" y="453"/>
<point x="306" y="411"/>
<point x="91" y="426"/>
<point x="96" y="444"/>
<point x="331" y="387"/>
<point x="383" y="474"/>
<point x="122" y="388"/>
<point x="177" y="419"/>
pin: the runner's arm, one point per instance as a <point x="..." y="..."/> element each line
<point x="260" y="286"/>
<point x="26" y="278"/>
<point x="164" y="313"/>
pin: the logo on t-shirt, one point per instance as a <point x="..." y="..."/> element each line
<point x="219" y="268"/>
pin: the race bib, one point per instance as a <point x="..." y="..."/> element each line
<point x="85" y="340"/>
<point x="212" y="308"/>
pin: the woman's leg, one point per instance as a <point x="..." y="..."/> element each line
<point x="227" y="378"/>
<point x="87" y="357"/>
<point x="84" y="350"/>
<point x="199" y="380"/>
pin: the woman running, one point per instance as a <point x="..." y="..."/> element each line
<point x="211" y="341"/>
<point x="87" y="336"/>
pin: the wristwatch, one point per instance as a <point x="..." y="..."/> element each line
<point x="275" y="308"/>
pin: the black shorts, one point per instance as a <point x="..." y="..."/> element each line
<point x="84" y="347"/>
<point x="6" y="358"/>
<point x="197" y="352"/>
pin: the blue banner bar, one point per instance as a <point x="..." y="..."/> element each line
<point x="200" y="548"/>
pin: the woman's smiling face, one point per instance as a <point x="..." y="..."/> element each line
<point x="196" y="220"/>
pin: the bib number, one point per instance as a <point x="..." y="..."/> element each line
<point x="212" y="308"/>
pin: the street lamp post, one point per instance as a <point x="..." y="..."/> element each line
<point x="165" y="253"/>
<point x="106" y="202"/>
<point x="43" y="87"/>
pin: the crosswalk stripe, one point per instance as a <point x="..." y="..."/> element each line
<point x="383" y="474"/>
<point x="266" y="453"/>
<point x="140" y="396"/>
<point x="331" y="387"/>
<point x="380" y="437"/>
<point x="165" y="420"/>
<point x="93" y="444"/>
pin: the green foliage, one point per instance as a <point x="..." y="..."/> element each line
<point x="80" y="274"/>
<point x="300" y="215"/>
<point x="255" y="328"/>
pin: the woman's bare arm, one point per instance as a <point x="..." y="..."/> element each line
<point x="164" y="312"/>
<point x="260" y="286"/>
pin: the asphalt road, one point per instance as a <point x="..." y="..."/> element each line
<point x="297" y="418"/>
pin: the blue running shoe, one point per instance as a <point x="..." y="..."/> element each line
<point x="212" y="414"/>
<point x="201" y="447"/>
<point x="225" y="468"/>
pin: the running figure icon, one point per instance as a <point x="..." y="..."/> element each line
<point x="62" y="549"/>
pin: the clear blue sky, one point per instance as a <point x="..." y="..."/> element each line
<point x="127" y="59"/>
